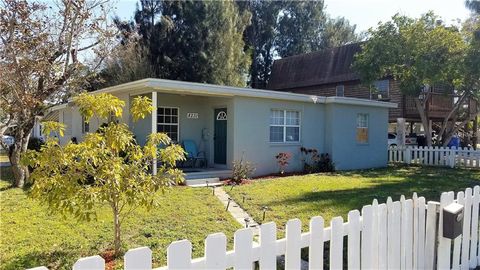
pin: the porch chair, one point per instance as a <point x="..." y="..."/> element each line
<point x="193" y="155"/>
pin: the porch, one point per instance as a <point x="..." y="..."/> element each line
<point x="202" y="123"/>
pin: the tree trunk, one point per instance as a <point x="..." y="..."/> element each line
<point x="20" y="172"/>
<point x="117" y="232"/>
<point x="475" y="132"/>
<point x="425" y="121"/>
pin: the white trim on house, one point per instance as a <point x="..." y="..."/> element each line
<point x="359" y="101"/>
<point x="170" y="124"/>
<point x="180" y="87"/>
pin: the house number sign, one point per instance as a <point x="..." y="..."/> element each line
<point x="192" y="115"/>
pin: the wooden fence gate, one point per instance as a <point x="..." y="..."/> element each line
<point x="404" y="234"/>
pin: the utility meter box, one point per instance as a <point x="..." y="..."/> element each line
<point x="452" y="220"/>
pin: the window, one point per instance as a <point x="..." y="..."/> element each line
<point x="380" y="89"/>
<point x="85" y="125"/>
<point x="340" y="90"/>
<point x="284" y="126"/>
<point x="167" y="122"/>
<point x="362" y="128"/>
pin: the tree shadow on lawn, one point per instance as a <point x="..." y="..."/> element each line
<point x="63" y="258"/>
<point x="429" y="185"/>
<point x="411" y="172"/>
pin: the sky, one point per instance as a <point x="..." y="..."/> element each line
<point x="364" y="13"/>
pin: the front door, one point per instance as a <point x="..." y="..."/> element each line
<point x="220" y="136"/>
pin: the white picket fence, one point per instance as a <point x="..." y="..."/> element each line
<point x="403" y="234"/>
<point x="435" y="156"/>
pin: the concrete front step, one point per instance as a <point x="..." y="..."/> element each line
<point x="208" y="174"/>
<point x="212" y="181"/>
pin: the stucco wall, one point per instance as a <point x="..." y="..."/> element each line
<point x="252" y="132"/>
<point x="346" y="153"/>
<point x="328" y="128"/>
<point x="191" y="129"/>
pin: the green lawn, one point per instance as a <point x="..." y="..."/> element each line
<point x="30" y="236"/>
<point x="331" y="195"/>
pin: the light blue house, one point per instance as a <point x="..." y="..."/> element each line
<point x="228" y="122"/>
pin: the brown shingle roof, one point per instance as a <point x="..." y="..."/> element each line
<point x="316" y="68"/>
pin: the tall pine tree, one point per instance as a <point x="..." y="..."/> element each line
<point x="260" y="38"/>
<point x="198" y="41"/>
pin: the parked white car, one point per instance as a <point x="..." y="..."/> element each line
<point x="393" y="140"/>
<point x="8" y="140"/>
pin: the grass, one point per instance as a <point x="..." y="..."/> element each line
<point x="331" y="195"/>
<point x="30" y="236"/>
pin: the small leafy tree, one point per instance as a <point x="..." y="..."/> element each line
<point x="418" y="53"/>
<point x="108" y="166"/>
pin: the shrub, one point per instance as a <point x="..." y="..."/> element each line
<point x="310" y="159"/>
<point x="283" y="161"/>
<point x="325" y="163"/>
<point x="313" y="162"/>
<point x="241" y="170"/>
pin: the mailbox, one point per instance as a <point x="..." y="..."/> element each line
<point x="452" y="220"/>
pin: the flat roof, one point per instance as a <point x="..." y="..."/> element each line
<point x="180" y="87"/>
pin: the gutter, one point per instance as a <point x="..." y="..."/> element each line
<point x="169" y="86"/>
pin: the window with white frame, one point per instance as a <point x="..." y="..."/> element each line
<point x="167" y="122"/>
<point x="340" y="90"/>
<point x="284" y="126"/>
<point x="362" y="128"/>
<point x="380" y="89"/>
<point x="85" y="125"/>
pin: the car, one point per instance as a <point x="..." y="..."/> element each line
<point x="393" y="140"/>
<point x="8" y="140"/>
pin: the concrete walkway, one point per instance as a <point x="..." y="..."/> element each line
<point x="236" y="211"/>
<point x="240" y="215"/>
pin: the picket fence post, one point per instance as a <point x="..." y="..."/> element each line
<point x="293" y="236"/>
<point x="408" y="155"/>
<point x="243" y="243"/>
<point x="179" y="255"/>
<point x="268" y="247"/>
<point x="90" y="263"/>
<point x="315" y="251"/>
<point x="215" y="251"/>
<point x="138" y="258"/>
<point x="452" y="158"/>
<point x="475" y="261"/>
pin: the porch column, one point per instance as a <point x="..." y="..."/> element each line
<point x="154" y="127"/>
<point x="401" y="132"/>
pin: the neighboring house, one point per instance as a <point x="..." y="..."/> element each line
<point x="329" y="73"/>
<point x="230" y="122"/>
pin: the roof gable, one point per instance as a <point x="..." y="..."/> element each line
<point x="316" y="68"/>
